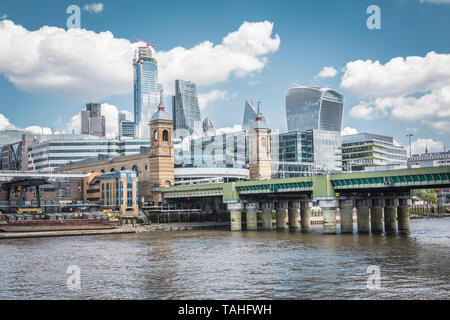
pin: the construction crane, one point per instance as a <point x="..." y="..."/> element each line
<point x="148" y="44"/>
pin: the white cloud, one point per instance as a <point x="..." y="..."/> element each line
<point x="411" y="89"/>
<point x="398" y="77"/>
<point x="94" y="7"/>
<point x="128" y="115"/>
<point x="5" y="123"/>
<point x="73" y="63"/>
<point x="39" y="130"/>
<point x="235" y="128"/>
<point x="208" y="99"/>
<point x="327" y="72"/>
<point x="85" y="65"/>
<point x="348" y="130"/>
<point x="241" y="53"/>
<point x="418" y="146"/>
<point x="435" y="1"/>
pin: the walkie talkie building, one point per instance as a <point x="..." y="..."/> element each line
<point x="314" y="108"/>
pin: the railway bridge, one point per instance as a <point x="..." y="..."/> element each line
<point x="381" y="199"/>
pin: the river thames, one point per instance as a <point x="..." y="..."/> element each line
<point x="231" y="265"/>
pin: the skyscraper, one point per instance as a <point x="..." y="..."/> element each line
<point x="186" y="112"/>
<point x="314" y="108"/>
<point x="250" y="113"/>
<point x="92" y="121"/>
<point x="146" y="89"/>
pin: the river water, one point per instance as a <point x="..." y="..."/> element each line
<point x="232" y="265"/>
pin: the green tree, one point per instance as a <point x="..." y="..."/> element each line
<point x="427" y="195"/>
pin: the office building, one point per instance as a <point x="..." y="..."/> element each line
<point x="51" y="154"/>
<point x="368" y="152"/>
<point x="249" y="116"/>
<point x="92" y="121"/>
<point x="146" y="90"/>
<point x="430" y="159"/>
<point x="127" y="128"/>
<point x="185" y="109"/>
<point x="314" y="108"/>
<point x="120" y="191"/>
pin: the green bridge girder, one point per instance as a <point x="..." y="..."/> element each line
<point x="322" y="186"/>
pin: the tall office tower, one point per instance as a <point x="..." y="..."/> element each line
<point x="127" y="128"/>
<point x="186" y="112"/>
<point x="249" y="115"/>
<point x="146" y="89"/>
<point x="92" y="121"/>
<point x="314" y="108"/>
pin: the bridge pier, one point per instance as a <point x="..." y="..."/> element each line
<point x="376" y="219"/>
<point x="281" y="214"/>
<point x="403" y="214"/>
<point x="346" y="208"/>
<point x="294" y="214"/>
<point x="267" y="209"/>
<point x="305" y="220"/>
<point x="390" y="215"/>
<point x="235" y="216"/>
<point x="363" y="215"/>
<point x="251" y="216"/>
<point x="329" y="215"/>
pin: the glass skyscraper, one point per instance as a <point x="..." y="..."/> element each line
<point x="146" y="90"/>
<point x="186" y="112"/>
<point x="249" y="115"/>
<point x="314" y="108"/>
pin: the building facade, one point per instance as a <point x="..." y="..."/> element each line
<point x="314" y="108"/>
<point x="92" y="121"/>
<point x="48" y="155"/>
<point x="430" y="159"/>
<point x="146" y="89"/>
<point x="185" y="109"/>
<point x="120" y="191"/>
<point x="368" y="152"/>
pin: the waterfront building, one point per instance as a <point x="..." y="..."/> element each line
<point x="307" y="153"/>
<point x="430" y="159"/>
<point x="120" y="191"/>
<point x="92" y="121"/>
<point x="314" y="108"/>
<point x="146" y="89"/>
<point x="91" y="188"/>
<point x="368" y="152"/>
<point x="62" y="150"/>
<point x="185" y="109"/>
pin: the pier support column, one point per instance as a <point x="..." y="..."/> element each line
<point x="235" y="216"/>
<point x="390" y="215"/>
<point x="363" y="215"/>
<point x="377" y="219"/>
<point x="252" y="222"/>
<point x="294" y="214"/>
<point x="346" y="208"/>
<point x="329" y="215"/>
<point x="305" y="220"/>
<point x="267" y="209"/>
<point x="282" y="209"/>
<point x="403" y="214"/>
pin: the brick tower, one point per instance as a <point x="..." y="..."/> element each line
<point x="260" y="163"/>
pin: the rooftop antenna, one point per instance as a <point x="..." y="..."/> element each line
<point x="258" y="115"/>
<point x="161" y="99"/>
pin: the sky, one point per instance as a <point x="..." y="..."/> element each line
<point x="395" y="79"/>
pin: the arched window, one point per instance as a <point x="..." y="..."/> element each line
<point x="112" y="170"/>
<point x="155" y="135"/>
<point x="263" y="142"/>
<point x="165" y="135"/>
<point x="102" y="171"/>
<point x="135" y="168"/>
<point x="123" y="168"/>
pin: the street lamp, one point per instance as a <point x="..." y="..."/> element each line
<point x="409" y="135"/>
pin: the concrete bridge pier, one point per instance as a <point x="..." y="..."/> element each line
<point x="294" y="214"/>
<point x="282" y="210"/>
<point x="363" y="215"/>
<point x="403" y="215"/>
<point x="329" y="215"/>
<point x="390" y="215"/>
<point x="376" y="219"/>
<point x="267" y="209"/>
<point x="235" y="216"/>
<point x="346" y="208"/>
<point x="251" y="216"/>
<point x="305" y="213"/>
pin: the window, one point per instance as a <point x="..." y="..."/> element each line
<point x="165" y="135"/>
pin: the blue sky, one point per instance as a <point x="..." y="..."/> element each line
<point x="313" y="35"/>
